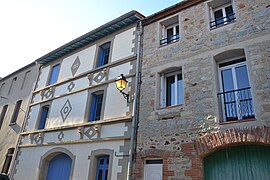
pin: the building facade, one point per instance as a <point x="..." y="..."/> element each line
<point x="15" y="90"/>
<point x="78" y="125"/>
<point x="204" y="104"/>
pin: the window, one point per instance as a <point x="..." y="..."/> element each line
<point x="16" y="112"/>
<point x="43" y="117"/>
<point x="8" y="159"/>
<point x="171" y="89"/>
<point x="102" y="168"/>
<point x="169" y="31"/>
<point x="103" y="54"/>
<point x="153" y="169"/>
<point x="54" y="74"/>
<point x="235" y="97"/>
<point x="96" y="106"/>
<point x="12" y="84"/>
<point x="26" y="79"/>
<point x="2" y="116"/>
<point x="221" y="12"/>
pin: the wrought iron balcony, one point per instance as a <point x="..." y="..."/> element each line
<point x="170" y="39"/>
<point x="223" y="20"/>
<point x="236" y="105"/>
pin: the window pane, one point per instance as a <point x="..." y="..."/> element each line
<point x="54" y="74"/>
<point x="180" y="94"/>
<point x="103" y="54"/>
<point x="170" y="91"/>
<point x="169" y="35"/>
<point x="2" y="116"/>
<point x="16" y="111"/>
<point x="44" y="115"/>
<point x="219" y="17"/>
<point x="242" y="77"/>
<point x="229" y="13"/>
<point x="227" y="80"/>
<point x="96" y="107"/>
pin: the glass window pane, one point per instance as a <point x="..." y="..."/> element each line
<point x="54" y="74"/>
<point x="169" y="34"/>
<point x="219" y="17"/>
<point x="227" y="80"/>
<point x="242" y="77"/>
<point x="170" y="91"/>
<point x="180" y="94"/>
<point x="229" y="13"/>
<point x="43" y="118"/>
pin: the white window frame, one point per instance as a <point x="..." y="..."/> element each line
<point x="165" y="35"/>
<point x="163" y="83"/>
<point x="232" y="67"/>
<point x="152" y="165"/>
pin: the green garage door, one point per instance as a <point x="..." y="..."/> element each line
<point x="247" y="162"/>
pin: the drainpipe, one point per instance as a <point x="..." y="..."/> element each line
<point x="135" y="115"/>
<point x="15" y="154"/>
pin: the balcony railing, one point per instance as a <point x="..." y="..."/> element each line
<point x="223" y="20"/>
<point x="236" y="105"/>
<point x="170" y="39"/>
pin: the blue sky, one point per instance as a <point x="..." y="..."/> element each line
<point x="33" y="28"/>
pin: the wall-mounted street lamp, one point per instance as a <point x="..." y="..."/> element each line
<point x="121" y="84"/>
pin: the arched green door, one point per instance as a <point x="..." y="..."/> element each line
<point x="246" y="162"/>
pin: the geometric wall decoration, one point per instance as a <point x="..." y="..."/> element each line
<point x="75" y="66"/>
<point x="71" y="86"/>
<point x="60" y="136"/>
<point x="90" y="132"/>
<point x="66" y="109"/>
<point x="99" y="77"/>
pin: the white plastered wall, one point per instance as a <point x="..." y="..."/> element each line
<point x="86" y="57"/>
<point x="29" y="159"/>
<point x="123" y="45"/>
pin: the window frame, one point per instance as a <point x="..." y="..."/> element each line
<point x="156" y="162"/>
<point x="104" y="168"/>
<point x="8" y="160"/>
<point x="232" y="64"/>
<point x="41" y="120"/>
<point x="51" y="75"/>
<point x="16" y="112"/>
<point x="3" y="114"/>
<point x="94" y="105"/>
<point x="103" y="51"/>
<point x="213" y="21"/>
<point x="169" y="23"/>
<point x="163" y="88"/>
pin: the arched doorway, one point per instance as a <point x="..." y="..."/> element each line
<point x="245" y="162"/>
<point x="59" y="167"/>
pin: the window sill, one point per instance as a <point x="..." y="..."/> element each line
<point x="11" y="124"/>
<point x="167" y="44"/>
<point x="237" y="121"/>
<point x="220" y="26"/>
<point x="170" y="107"/>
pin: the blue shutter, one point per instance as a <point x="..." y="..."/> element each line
<point x="59" y="168"/>
<point x="102" y="168"/>
<point x="93" y="108"/>
<point x="54" y="74"/>
<point x="100" y="57"/>
<point x="43" y="118"/>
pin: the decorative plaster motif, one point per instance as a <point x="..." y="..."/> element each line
<point x="99" y="77"/>
<point x="48" y="93"/>
<point x="60" y="136"/>
<point x="36" y="138"/>
<point x="71" y="86"/>
<point x="75" y="66"/>
<point x="90" y="132"/>
<point x="66" y="109"/>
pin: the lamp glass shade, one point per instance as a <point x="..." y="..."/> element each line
<point x="121" y="82"/>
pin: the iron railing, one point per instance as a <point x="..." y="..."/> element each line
<point x="169" y="39"/>
<point x="223" y="20"/>
<point x="236" y="105"/>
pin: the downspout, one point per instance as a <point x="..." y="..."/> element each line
<point x="135" y="115"/>
<point x="15" y="154"/>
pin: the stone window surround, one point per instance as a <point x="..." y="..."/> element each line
<point x="49" y="155"/>
<point x="210" y="12"/>
<point x="94" y="161"/>
<point x="49" y="103"/>
<point x="98" y="45"/>
<point x="227" y="56"/>
<point x="50" y="71"/>
<point x="165" y="69"/>
<point x="161" y="28"/>
<point x="89" y="100"/>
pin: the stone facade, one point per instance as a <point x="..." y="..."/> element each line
<point x="178" y="134"/>
<point x="14" y="87"/>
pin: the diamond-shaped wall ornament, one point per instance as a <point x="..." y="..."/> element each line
<point x="75" y="66"/>
<point x="66" y="109"/>
<point x="71" y="86"/>
<point x="99" y="77"/>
